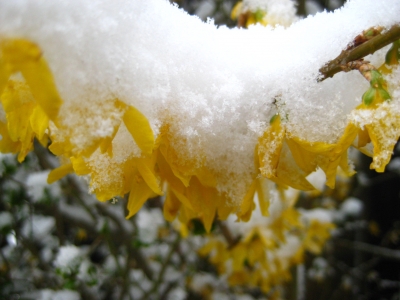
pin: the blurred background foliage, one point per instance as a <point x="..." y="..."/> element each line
<point x="59" y="242"/>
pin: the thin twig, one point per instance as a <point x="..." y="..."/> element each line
<point x="163" y="268"/>
<point x="368" y="47"/>
<point x="372" y="249"/>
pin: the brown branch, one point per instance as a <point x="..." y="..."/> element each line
<point x="351" y="54"/>
<point x="372" y="249"/>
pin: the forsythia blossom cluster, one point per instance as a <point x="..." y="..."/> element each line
<point x="32" y="108"/>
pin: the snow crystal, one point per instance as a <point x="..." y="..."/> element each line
<point x="215" y="84"/>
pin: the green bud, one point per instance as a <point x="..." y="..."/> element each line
<point x="393" y="55"/>
<point x="369" y="96"/>
<point x="259" y="15"/>
<point x="383" y="94"/>
<point x="370" y="33"/>
<point x="376" y="78"/>
<point x="274" y="117"/>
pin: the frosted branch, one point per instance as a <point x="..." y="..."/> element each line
<point x="351" y="54"/>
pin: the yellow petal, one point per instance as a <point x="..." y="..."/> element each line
<point x="263" y="196"/>
<point x="171" y="157"/>
<point x="305" y="159"/>
<point x="59" y="173"/>
<point x="39" y="122"/>
<point x="139" y="127"/>
<point x="330" y="168"/>
<point x="236" y="11"/>
<point x="269" y="148"/>
<point x="4" y="75"/>
<point x="60" y="147"/>
<point x="26" y="145"/>
<point x="345" y="166"/>
<point x="146" y="170"/>
<point x="171" y="206"/>
<point x="79" y="165"/>
<point x="138" y="195"/>
<point x="239" y="254"/>
<point x="26" y="57"/>
<point x="168" y="175"/>
<point x="106" y="144"/>
<point x="363" y="138"/>
<point x="206" y="177"/>
<point x="314" y="147"/>
<point x="289" y="174"/>
<point x="247" y="206"/>
<point x="7" y="145"/>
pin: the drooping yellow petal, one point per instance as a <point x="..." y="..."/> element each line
<point x="106" y="143"/>
<point x="236" y="11"/>
<point x="80" y="166"/>
<point x="330" y="168"/>
<point x="18" y="122"/>
<point x="288" y="173"/>
<point x="269" y="148"/>
<point x="7" y="145"/>
<point x="363" y="138"/>
<point x="60" y="147"/>
<point x="263" y="196"/>
<point x="26" y="57"/>
<point x="39" y="122"/>
<point x="59" y="173"/>
<point x="171" y="206"/>
<point x="206" y="177"/>
<point x="26" y="144"/>
<point x="138" y="195"/>
<point x="247" y="206"/>
<point x="171" y="157"/>
<point x="204" y="201"/>
<point x="140" y="129"/>
<point x="256" y="252"/>
<point x="146" y="169"/>
<point x="314" y="147"/>
<point x="345" y="166"/>
<point x="239" y="254"/>
<point x="4" y="75"/>
<point x="305" y="159"/>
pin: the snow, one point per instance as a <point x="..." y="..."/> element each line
<point x="38" y="227"/>
<point x="6" y="219"/>
<point x="352" y="207"/>
<point x="177" y="293"/>
<point x="218" y="85"/>
<point x="318" y="214"/>
<point x="37" y="184"/>
<point x="148" y="222"/>
<point x="59" y="295"/>
<point x="68" y="258"/>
